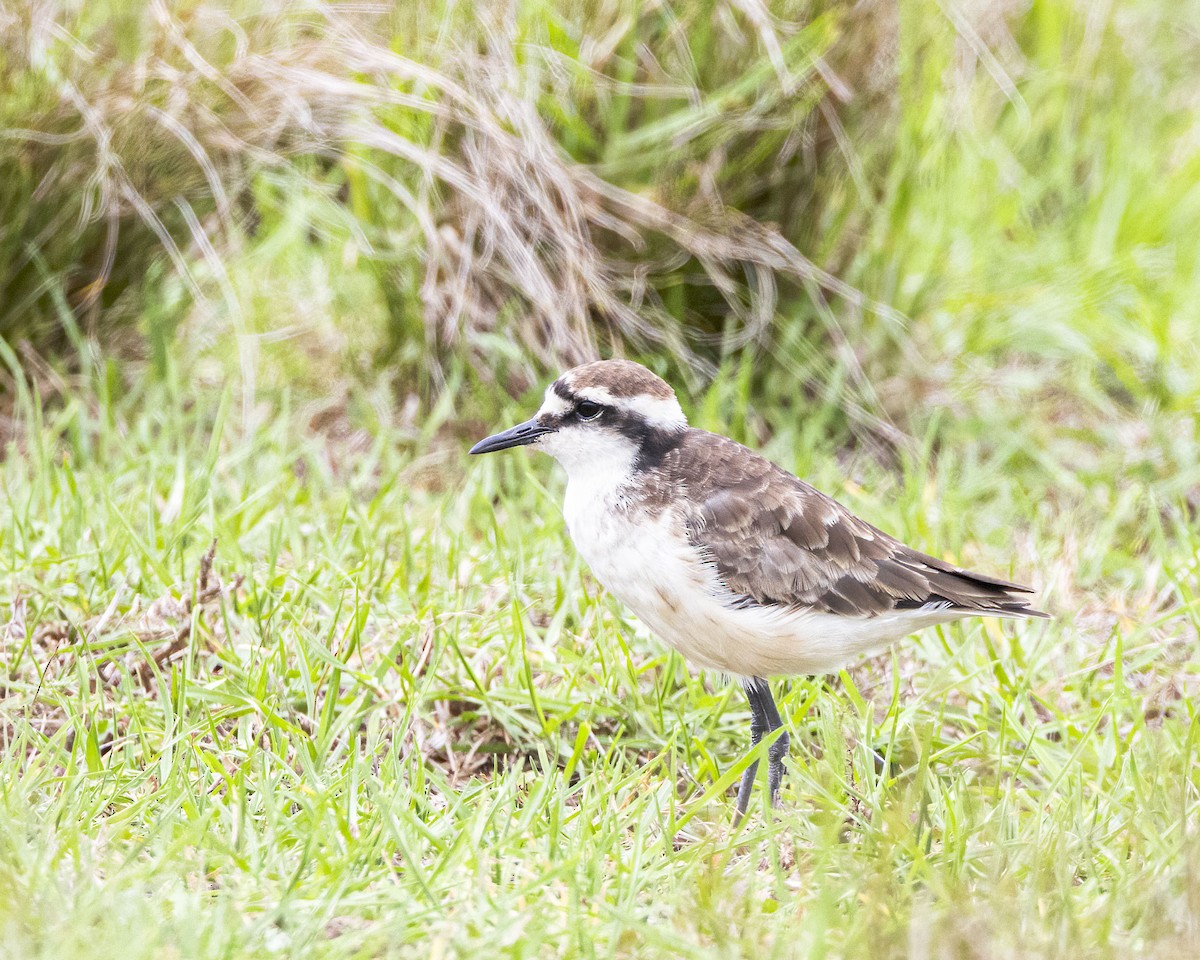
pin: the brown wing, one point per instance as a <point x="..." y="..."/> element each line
<point x="776" y="540"/>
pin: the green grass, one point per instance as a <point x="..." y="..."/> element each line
<point x="410" y="723"/>
<point x="398" y="717"/>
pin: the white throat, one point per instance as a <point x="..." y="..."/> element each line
<point x="599" y="464"/>
<point x="600" y="471"/>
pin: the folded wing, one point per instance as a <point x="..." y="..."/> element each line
<point x="777" y="541"/>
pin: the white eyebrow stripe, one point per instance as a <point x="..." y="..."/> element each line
<point x="657" y="411"/>
<point x="553" y="404"/>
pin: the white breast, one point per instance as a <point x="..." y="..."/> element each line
<point x="649" y="565"/>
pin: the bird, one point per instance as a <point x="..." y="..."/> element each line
<point x="740" y="566"/>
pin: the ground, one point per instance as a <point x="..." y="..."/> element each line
<point x="321" y="688"/>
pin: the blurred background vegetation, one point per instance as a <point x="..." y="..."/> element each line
<point x="983" y="213"/>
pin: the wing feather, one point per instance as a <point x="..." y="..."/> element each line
<point x="774" y="540"/>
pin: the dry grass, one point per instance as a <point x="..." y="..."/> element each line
<point x="144" y="132"/>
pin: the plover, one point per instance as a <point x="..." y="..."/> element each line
<point x="737" y="564"/>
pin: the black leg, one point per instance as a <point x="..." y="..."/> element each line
<point x="764" y="718"/>
<point x="779" y="749"/>
<point x="758" y="726"/>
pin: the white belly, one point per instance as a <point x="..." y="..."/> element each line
<point x="650" y="566"/>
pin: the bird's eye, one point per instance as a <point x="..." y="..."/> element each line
<point x="587" y="410"/>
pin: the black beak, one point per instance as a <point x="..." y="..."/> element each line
<point x="517" y="436"/>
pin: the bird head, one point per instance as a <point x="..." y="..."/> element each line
<point x="600" y="414"/>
